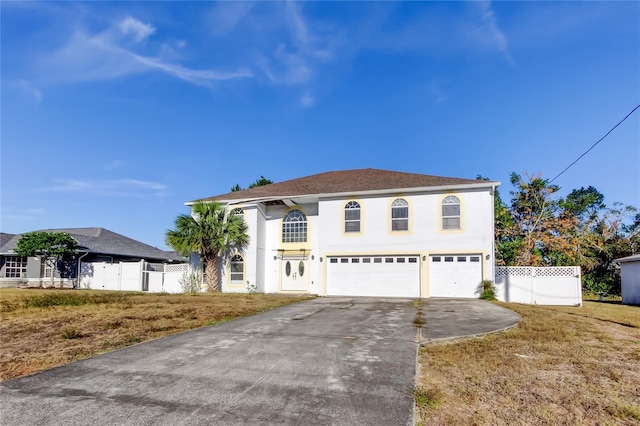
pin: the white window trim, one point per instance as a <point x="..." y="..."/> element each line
<point x="353" y="206"/>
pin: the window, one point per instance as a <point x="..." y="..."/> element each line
<point x="239" y="212"/>
<point x="355" y="260"/>
<point x="15" y="267"/>
<point x="344" y="260"/>
<point x="451" y="212"/>
<point x="377" y="260"/>
<point x="413" y="260"/>
<point x="388" y="260"/>
<point x="45" y="269"/>
<point x="462" y="258"/>
<point x="399" y="215"/>
<point x="352" y="217"/>
<point x="236" y="270"/>
<point x="294" y="227"/>
<point x="400" y="260"/>
<point x="475" y="259"/>
<point x="333" y="260"/>
<point x="448" y="258"/>
<point x="366" y="260"/>
<point x="437" y="258"/>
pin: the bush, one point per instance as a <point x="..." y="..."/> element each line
<point x="487" y="290"/>
<point x="71" y="333"/>
<point x="191" y="282"/>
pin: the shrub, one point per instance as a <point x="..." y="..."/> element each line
<point x="487" y="290"/>
<point x="71" y="333"/>
<point x="191" y="282"/>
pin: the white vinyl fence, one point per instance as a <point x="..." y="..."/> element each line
<point x="133" y="276"/>
<point x="558" y="285"/>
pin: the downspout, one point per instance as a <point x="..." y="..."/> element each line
<point x="79" y="267"/>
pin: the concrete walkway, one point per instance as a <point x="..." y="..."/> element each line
<point x="325" y="361"/>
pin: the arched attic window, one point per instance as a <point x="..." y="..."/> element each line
<point x="294" y="227"/>
<point x="352" y="217"/>
<point x="451" y="212"/>
<point x="400" y="215"/>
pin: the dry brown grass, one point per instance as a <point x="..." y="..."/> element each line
<point x="561" y="365"/>
<point x="37" y="338"/>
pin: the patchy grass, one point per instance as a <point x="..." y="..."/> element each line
<point x="561" y="365"/>
<point x="41" y="329"/>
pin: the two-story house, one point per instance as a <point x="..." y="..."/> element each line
<point x="365" y="232"/>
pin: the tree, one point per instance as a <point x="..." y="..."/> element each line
<point x="49" y="247"/>
<point x="540" y="229"/>
<point x="259" y="182"/>
<point x="210" y="231"/>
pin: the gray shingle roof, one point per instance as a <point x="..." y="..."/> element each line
<point x="4" y="238"/>
<point x="103" y="241"/>
<point x="633" y="258"/>
<point x="345" y="181"/>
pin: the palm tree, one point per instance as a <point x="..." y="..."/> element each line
<point x="210" y="231"/>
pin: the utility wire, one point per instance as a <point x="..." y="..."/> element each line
<point x="593" y="146"/>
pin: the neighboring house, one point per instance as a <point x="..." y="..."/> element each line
<point x="630" y="275"/>
<point x="364" y="232"/>
<point x="95" y="245"/>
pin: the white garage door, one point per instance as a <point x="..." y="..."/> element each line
<point x="380" y="276"/>
<point x="455" y="275"/>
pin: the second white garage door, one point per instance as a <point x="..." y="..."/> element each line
<point x="455" y="275"/>
<point x="379" y="276"/>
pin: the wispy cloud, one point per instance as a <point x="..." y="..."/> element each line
<point x="115" y="187"/>
<point x="30" y="90"/>
<point x="437" y="93"/>
<point x="109" y="54"/>
<point x="113" y="165"/>
<point x="488" y="24"/>
<point x="307" y="100"/>
<point x="139" y="29"/>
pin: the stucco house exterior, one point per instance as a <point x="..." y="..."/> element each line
<point x="365" y="232"/>
<point x="94" y="245"/>
<point x="630" y="277"/>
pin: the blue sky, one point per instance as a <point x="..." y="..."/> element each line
<point x="116" y="113"/>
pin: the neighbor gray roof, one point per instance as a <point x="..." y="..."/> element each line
<point x="635" y="257"/>
<point x="347" y="181"/>
<point x="103" y="241"/>
<point x="4" y="238"/>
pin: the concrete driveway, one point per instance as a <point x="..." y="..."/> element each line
<point x="325" y="361"/>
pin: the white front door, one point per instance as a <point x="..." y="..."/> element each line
<point x="294" y="274"/>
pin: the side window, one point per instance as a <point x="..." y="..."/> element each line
<point x="352" y="217"/>
<point x="239" y="212"/>
<point x="451" y="212"/>
<point x="236" y="270"/>
<point x="294" y="227"/>
<point x="400" y="215"/>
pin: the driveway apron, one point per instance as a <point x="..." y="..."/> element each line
<point x="326" y="361"/>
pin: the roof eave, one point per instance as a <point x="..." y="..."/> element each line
<point x="480" y="184"/>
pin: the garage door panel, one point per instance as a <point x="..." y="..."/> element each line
<point x="380" y="276"/>
<point x="455" y="275"/>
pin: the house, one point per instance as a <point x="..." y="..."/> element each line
<point x="630" y="275"/>
<point x="96" y="245"/>
<point x="365" y="232"/>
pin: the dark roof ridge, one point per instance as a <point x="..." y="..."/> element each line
<point x="346" y="181"/>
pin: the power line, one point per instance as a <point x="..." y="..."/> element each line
<point x="593" y="146"/>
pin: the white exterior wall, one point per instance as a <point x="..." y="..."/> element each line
<point x="325" y="225"/>
<point x="630" y="274"/>
<point x="425" y="235"/>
